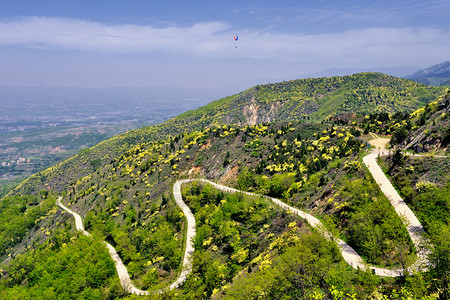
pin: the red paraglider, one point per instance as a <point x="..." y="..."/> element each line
<point x="236" y="38"/>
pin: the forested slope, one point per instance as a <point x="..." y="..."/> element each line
<point x="311" y="166"/>
<point x="422" y="179"/>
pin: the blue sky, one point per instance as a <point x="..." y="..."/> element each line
<point x="190" y="43"/>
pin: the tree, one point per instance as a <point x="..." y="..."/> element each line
<point x="440" y="260"/>
<point x="399" y="135"/>
<point x="397" y="159"/>
<point x="226" y="161"/>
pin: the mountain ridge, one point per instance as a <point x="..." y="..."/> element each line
<point x="436" y="75"/>
<point x="316" y="98"/>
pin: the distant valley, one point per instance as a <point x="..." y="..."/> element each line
<point x="42" y="125"/>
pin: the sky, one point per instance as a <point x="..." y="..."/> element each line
<point x="166" y="43"/>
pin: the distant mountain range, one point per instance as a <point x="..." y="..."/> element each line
<point x="437" y="75"/>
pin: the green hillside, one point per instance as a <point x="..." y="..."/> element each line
<point x="311" y="166"/>
<point x="424" y="180"/>
<point x="425" y="130"/>
<point x="316" y="99"/>
<point x="256" y="141"/>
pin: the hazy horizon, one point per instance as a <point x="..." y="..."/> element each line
<point x="190" y="44"/>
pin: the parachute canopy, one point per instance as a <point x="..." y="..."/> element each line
<point x="236" y="37"/>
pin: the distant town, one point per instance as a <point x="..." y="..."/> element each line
<point x="41" y="126"/>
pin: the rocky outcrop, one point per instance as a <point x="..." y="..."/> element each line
<point x="256" y="112"/>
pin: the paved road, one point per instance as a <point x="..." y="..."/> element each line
<point x="349" y="254"/>
<point x="190" y="234"/>
<point x="124" y="277"/>
<point x="409" y="219"/>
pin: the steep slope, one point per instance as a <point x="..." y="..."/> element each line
<point x="317" y="98"/>
<point x="312" y="166"/>
<point x="426" y="129"/>
<point x="437" y="75"/>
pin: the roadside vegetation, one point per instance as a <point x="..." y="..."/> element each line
<point x="18" y="216"/>
<point x="66" y="266"/>
<point x="424" y="183"/>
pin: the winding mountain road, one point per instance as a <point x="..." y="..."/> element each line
<point x="122" y="271"/>
<point x="349" y="254"/>
<point x="409" y="219"/>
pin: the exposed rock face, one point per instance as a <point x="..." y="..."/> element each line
<point x="445" y="104"/>
<point x="251" y="112"/>
<point x="256" y="112"/>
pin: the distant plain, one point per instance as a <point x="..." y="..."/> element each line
<point x="40" y="126"/>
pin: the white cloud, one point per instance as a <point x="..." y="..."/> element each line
<point x="355" y="47"/>
<point x="71" y="34"/>
<point x="214" y="40"/>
